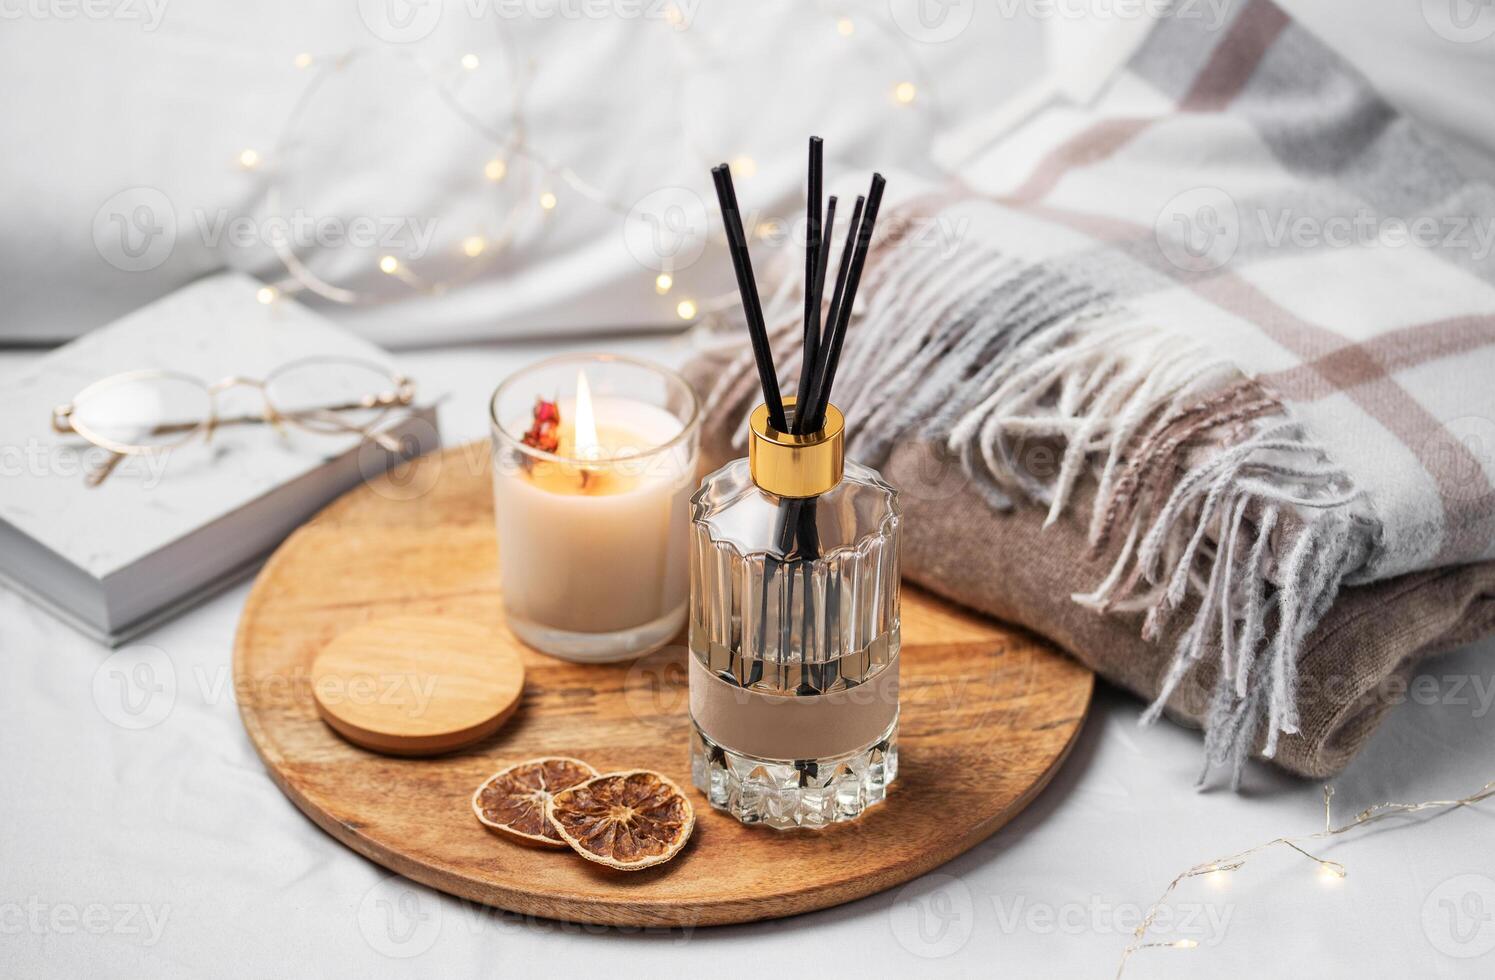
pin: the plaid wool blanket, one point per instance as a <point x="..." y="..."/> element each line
<point x="1233" y="323"/>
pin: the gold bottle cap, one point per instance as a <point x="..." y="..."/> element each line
<point x="796" y="466"/>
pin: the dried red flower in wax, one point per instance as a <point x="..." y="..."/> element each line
<point x="544" y="431"/>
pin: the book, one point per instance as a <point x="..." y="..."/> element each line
<point x="167" y="529"/>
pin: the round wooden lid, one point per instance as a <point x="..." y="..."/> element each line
<point x="417" y="685"/>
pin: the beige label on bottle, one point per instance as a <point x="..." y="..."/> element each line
<point x="775" y="726"/>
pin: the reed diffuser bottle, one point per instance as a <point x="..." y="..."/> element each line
<point x="794" y="649"/>
<point x="794" y="572"/>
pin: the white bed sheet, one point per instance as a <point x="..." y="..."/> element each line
<point x="169" y="852"/>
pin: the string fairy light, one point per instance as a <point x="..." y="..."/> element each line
<point x="511" y="142"/>
<point x="1330" y="872"/>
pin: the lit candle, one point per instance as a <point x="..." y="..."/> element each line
<point x="592" y="482"/>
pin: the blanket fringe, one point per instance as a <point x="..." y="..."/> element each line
<point x="1034" y="382"/>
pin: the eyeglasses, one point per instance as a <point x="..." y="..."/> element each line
<point x="141" y="412"/>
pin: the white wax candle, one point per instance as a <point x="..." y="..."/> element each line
<point x="601" y="548"/>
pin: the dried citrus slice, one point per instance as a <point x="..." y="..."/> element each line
<point x="514" y="799"/>
<point x="625" y="820"/>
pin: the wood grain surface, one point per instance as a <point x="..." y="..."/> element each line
<point x="988" y="714"/>
<point x="418" y="685"/>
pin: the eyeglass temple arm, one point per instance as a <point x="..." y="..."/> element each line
<point x="386" y="442"/>
<point x="101" y="474"/>
<point x="62" y="423"/>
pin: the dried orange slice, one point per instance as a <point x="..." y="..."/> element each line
<point x="513" y="800"/>
<point x="625" y="820"/>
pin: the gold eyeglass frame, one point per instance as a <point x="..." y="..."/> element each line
<point x="400" y="395"/>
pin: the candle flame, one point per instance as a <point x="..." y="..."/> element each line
<point x="585" y="435"/>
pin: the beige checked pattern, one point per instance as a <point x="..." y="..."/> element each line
<point x="1278" y="208"/>
<point x="1239" y="309"/>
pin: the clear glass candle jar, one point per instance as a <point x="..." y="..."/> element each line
<point x="592" y="530"/>
<point x="794" y="632"/>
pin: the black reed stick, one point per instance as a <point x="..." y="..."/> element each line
<point x="816" y="290"/>
<point x="817" y="380"/>
<point x="796" y="522"/>
<point x="812" y="248"/>
<point x="752" y="307"/>
<point x="830" y="355"/>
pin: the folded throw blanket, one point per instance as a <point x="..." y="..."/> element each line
<point x="1230" y="333"/>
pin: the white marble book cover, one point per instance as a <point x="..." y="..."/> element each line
<point x="166" y="527"/>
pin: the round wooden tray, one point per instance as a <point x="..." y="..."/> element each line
<point x="988" y="714"/>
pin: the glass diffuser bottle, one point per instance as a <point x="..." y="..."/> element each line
<point x="794" y="630"/>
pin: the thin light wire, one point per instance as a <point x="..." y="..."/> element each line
<point x="1232" y="862"/>
<point x="511" y="141"/>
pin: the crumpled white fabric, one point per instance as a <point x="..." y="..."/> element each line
<point x="105" y="116"/>
<point x="114" y="105"/>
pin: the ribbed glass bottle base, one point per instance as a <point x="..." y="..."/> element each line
<point x="785" y="794"/>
